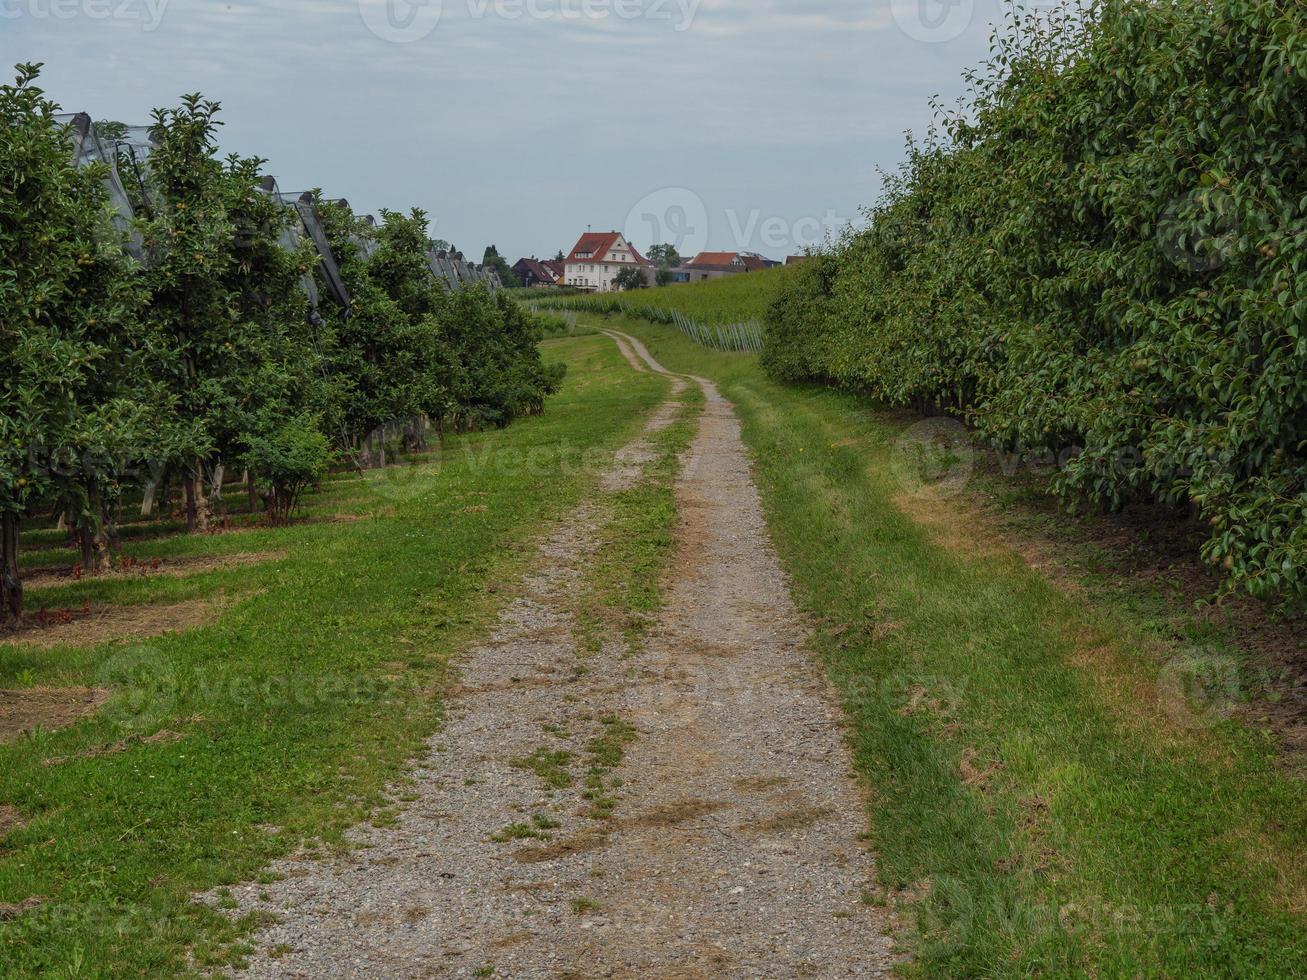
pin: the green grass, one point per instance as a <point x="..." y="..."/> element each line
<point x="296" y="707"/>
<point x="730" y="299"/>
<point x="1034" y="808"/>
<point x="623" y="584"/>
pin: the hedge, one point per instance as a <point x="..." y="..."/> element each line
<point x="1098" y="258"/>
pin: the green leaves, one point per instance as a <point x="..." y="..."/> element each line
<point x="1102" y="257"/>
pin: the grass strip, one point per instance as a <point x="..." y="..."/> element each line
<point x="1034" y="808"/>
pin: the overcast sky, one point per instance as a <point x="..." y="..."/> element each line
<point x="729" y="124"/>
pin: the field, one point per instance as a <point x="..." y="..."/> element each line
<point x="1045" y="796"/>
<point x="731" y="299"/>
<point x="302" y="669"/>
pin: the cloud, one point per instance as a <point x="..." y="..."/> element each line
<point x="521" y="129"/>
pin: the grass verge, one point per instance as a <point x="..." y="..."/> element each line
<point x="1042" y="801"/>
<point x="286" y="717"/>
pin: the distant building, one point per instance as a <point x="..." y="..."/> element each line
<point x="715" y="265"/>
<point x="597" y="258"/>
<point x="556" y="267"/>
<point x="795" y="259"/>
<point x="533" y="272"/>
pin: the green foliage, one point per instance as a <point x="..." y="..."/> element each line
<point x="68" y="414"/>
<point x="288" y="457"/>
<point x="412" y="348"/>
<point x="632" y="278"/>
<point x="1099" y="260"/>
<point x="664" y="255"/>
<point x="207" y="352"/>
<point x="729" y="299"/>
<point x="493" y="260"/>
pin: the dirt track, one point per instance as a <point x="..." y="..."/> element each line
<point x="732" y="850"/>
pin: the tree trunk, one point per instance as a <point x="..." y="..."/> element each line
<point x="93" y="533"/>
<point x="215" y="487"/>
<point x="197" y="506"/>
<point x="11" y="589"/>
<point x="202" y="510"/>
<point x="252" y="491"/>
<point x="192" y="511"/>
<point x="147" y="499"/>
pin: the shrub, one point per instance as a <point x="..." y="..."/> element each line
<point x="287" y="459"/>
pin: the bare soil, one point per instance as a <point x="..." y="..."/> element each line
<point x="25" y="709"/>
<point x="99" y="624"/>
<point x="42" y="578"/>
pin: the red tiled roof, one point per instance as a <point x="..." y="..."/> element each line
<point x="714" y="258"/>
<point x="536" y="268"/>
<point x="554" y="265"/>
<point x="595" y="245"/>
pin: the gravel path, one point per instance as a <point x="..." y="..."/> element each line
<point x="724" y="844"/>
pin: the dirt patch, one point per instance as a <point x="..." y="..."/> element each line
<point x="582" y="843"/>
<point x="9" y="910"/>
<point x="974" y="773"/>
<point x="954" y="526"/>
<point x="161" y="737"/>
<point x="98" y="624"/>
<point x="787" y="820"/>
<point x="48" y="708"/>
<point x="673" y="814"/>
<point x="10" y="820"/>
<point x="38" y="579"/>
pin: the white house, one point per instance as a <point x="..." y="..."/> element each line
<point x="597" y="258"/>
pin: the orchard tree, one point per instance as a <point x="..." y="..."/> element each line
<point x="280" y="356"/>
<point x="190" y="241"/>
<point x="65" y="290"/>
<point x="388" y="349"/>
